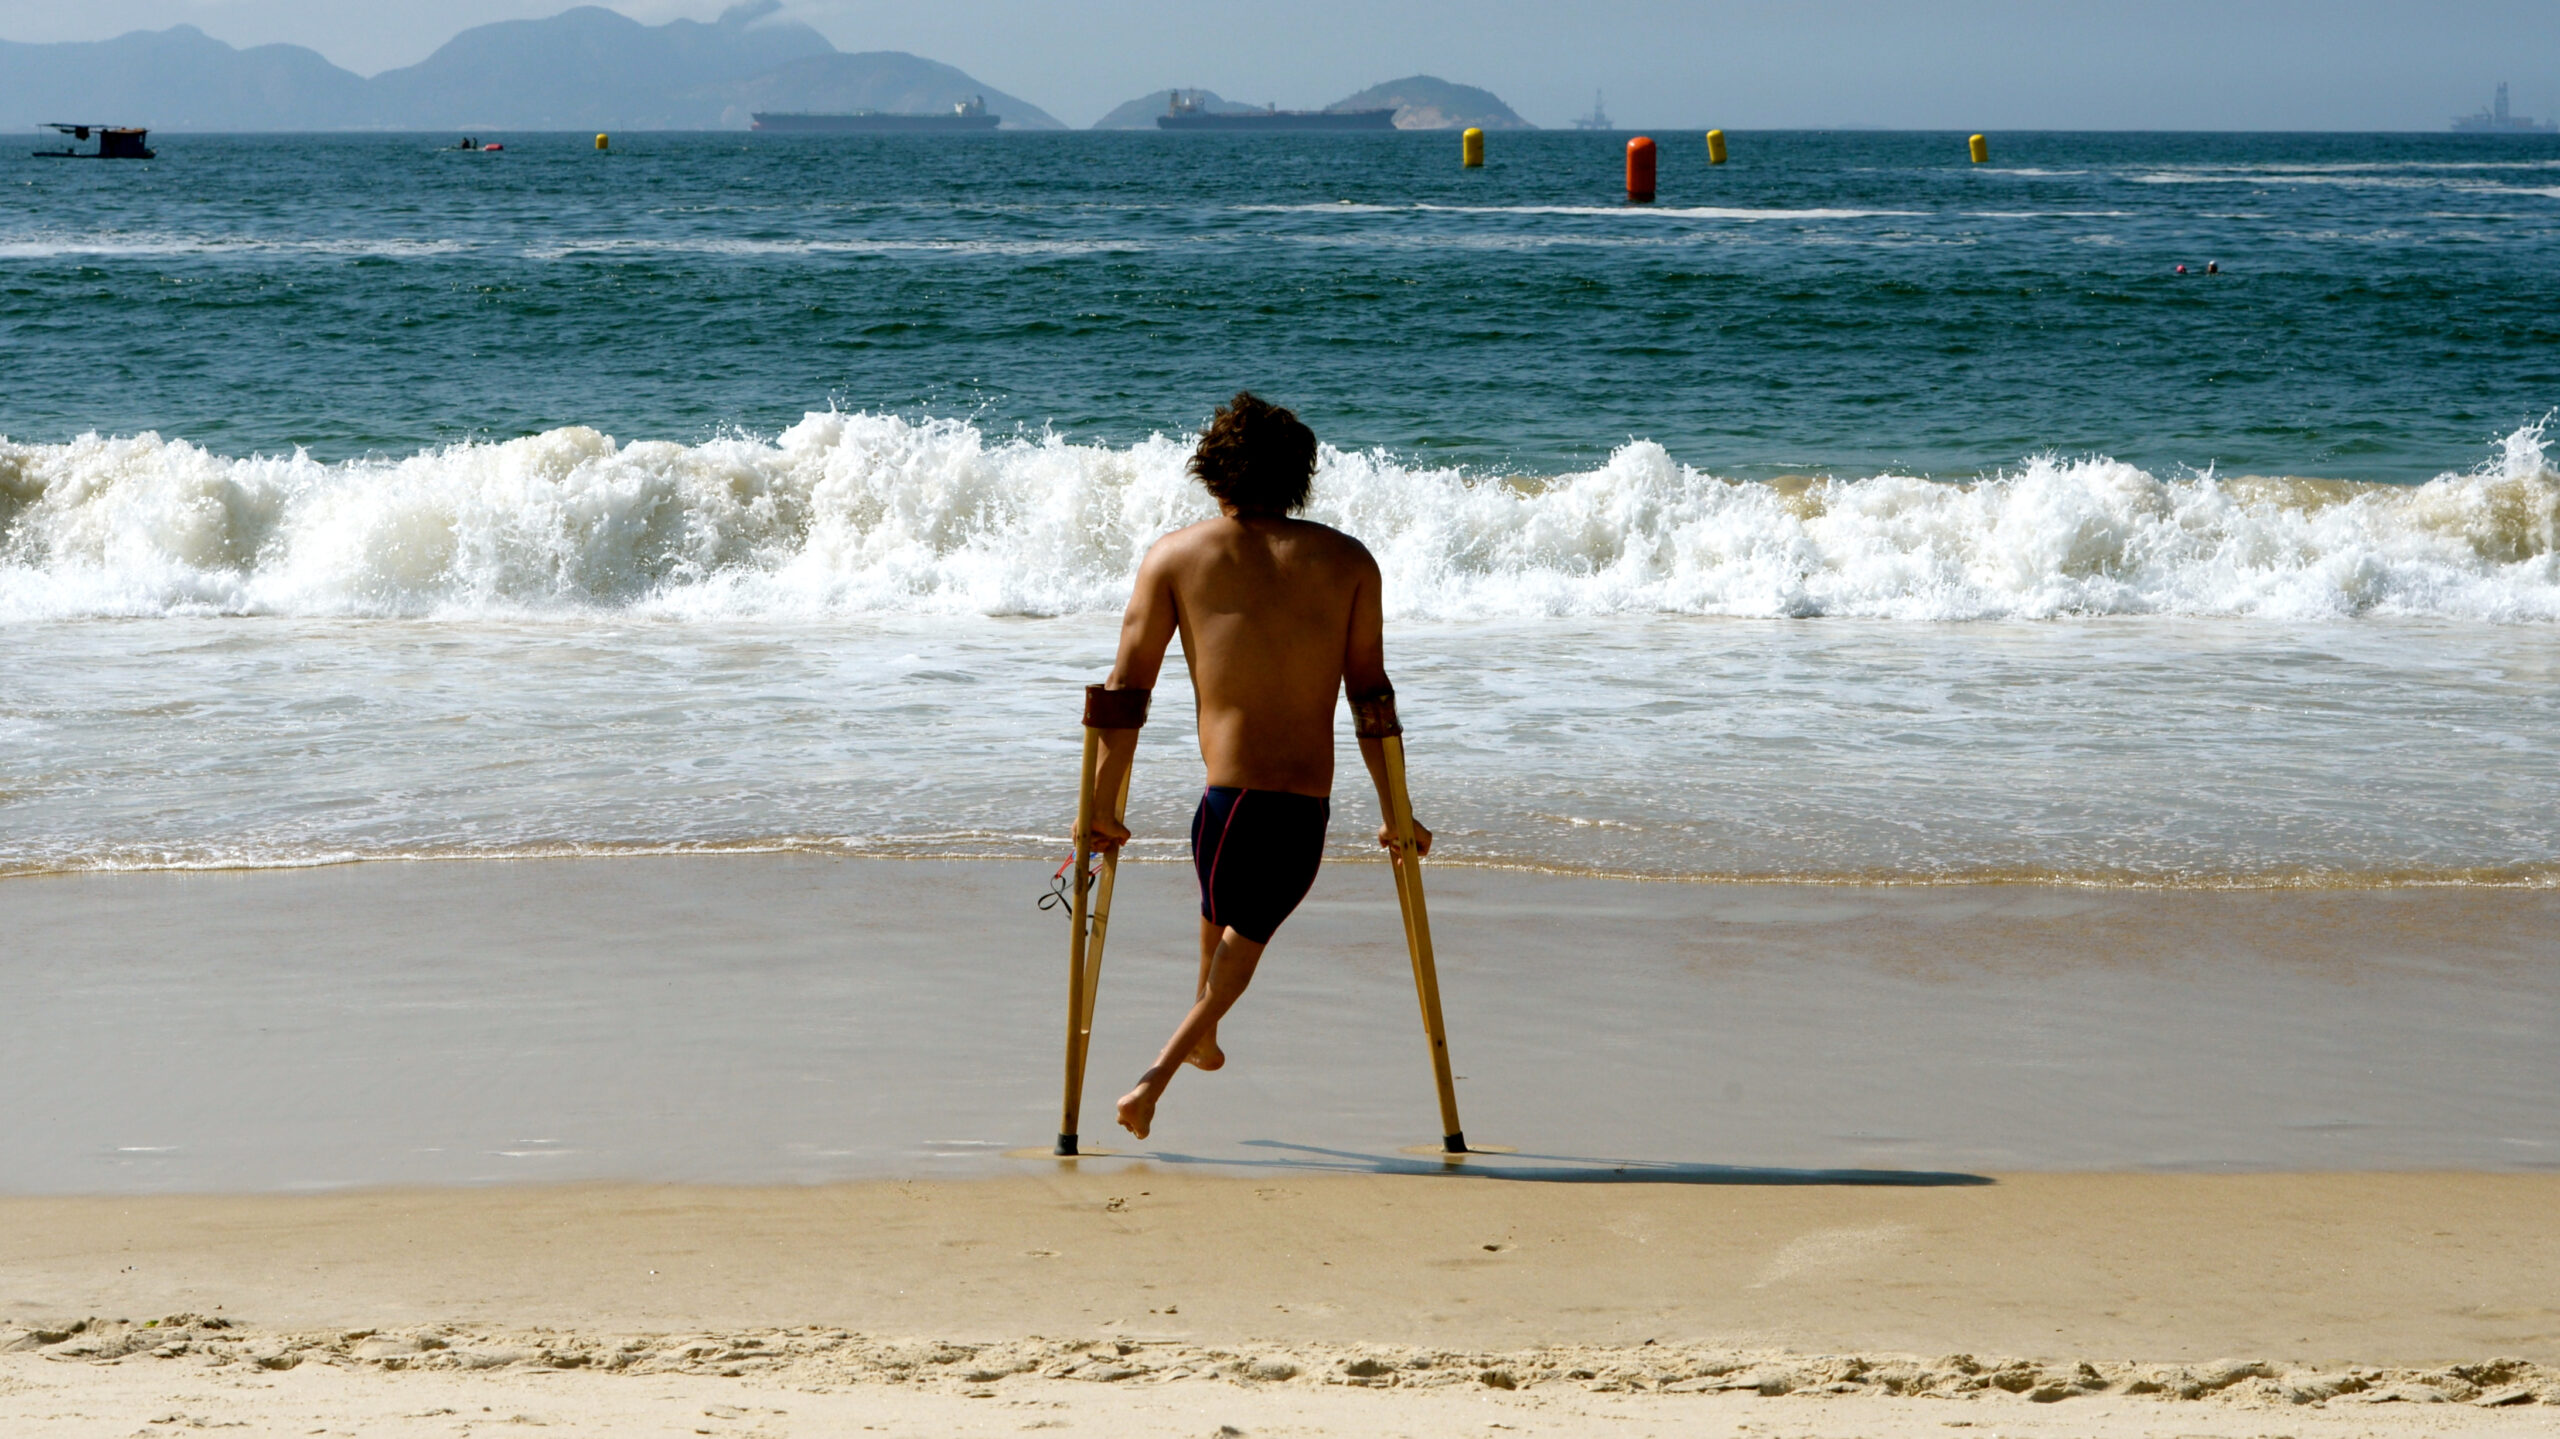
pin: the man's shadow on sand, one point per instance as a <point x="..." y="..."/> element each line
<point x="1563" y="1168"/>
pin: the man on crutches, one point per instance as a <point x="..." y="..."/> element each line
<point x="1278" y="617"/>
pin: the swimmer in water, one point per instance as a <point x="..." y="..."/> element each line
<point x="1278" y="616"/>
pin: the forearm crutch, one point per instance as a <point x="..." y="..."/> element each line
<point x="1104" y="709"/>
<point x="1374" y="717"/>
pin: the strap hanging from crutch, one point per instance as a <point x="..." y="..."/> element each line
<point x="1090" y="922"/>
<point x="1374" y="717"/>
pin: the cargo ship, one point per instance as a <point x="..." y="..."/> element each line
<point x="1183" y="112"/>
<point x="969" y="115"/>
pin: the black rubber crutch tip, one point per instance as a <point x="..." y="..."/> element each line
<point x="1066" y="1145"/>
<point x="1454" y="1143"/>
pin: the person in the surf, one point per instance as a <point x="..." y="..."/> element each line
<point x="1278" y="617"/>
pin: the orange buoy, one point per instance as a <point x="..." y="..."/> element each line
<point x="491" y="149"/>
<point x="1640" y="171"/>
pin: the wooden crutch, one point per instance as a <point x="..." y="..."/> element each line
<point x="1104" y="709"/>
<point x="1374" y="717"/>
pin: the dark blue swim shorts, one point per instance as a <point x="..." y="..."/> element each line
<point x="1257" y="851"/>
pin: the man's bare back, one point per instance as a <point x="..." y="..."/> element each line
<point x="1278" y="617"/>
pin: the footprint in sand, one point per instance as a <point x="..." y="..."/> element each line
<point x="1828" y="1249"/>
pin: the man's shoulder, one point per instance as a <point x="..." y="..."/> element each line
<point x="1189" y="539"/>
<point x="1219" y="532"/>
<point x="1318" y="527"/>
<point x="1329" y="540"/>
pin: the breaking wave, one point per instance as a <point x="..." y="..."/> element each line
<point x="855" y="513"/>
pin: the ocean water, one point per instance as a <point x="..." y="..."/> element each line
<point x="1853" y="513"/>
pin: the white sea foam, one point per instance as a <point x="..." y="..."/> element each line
<point x="1637" y="213"/>
<point x="863" y="513"/>
<point x="158" y="246"/>
<point x="731" y="246"/>
<point x="2344" y="178"/>
<point x="133" y="247"/>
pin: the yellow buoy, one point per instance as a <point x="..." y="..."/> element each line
<point x="1471" y="149"/>
<point x="1715" y="147"/>
<point x="1979" y="148"/>
<point x="604" y="142"/>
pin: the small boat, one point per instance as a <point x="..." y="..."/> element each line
<point x="115" y="142"/>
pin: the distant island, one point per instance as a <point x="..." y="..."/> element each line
<point x="1421" y="102"/>
<point x="584" y="68"/>
<point x="1427" y="102"/>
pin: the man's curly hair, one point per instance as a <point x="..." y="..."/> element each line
<point x="1256" y="457"/>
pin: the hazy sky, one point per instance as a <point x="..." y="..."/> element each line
<point x="1971" y="64"/>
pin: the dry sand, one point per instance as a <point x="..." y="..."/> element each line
<point x="1127" y="1299"/>
<point x="146" y="1398"/>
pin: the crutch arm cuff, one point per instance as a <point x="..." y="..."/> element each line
<point x="1373" y="715"/>
<point x="1115" y="709"/>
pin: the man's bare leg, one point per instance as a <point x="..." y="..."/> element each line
<point x="1206" y="1054"/>
<point x="1230" y="970"/>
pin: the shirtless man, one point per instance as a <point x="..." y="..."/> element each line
<point x="1278" y="616"/>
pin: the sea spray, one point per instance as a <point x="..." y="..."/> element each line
<point x="852" y="513"/>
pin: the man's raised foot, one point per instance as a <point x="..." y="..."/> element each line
<point x="1138" y="1106"/>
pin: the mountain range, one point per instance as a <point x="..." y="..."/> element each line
<point x="585" y="68"/>
<point x="179" y="79"/>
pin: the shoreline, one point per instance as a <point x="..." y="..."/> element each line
<point x="2526" y="876"/>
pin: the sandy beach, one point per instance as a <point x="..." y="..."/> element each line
<point x="1137" y="1300"/>
<point x="1810" y="1159"/>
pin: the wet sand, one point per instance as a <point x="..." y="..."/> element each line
<point x="795" y="1019"/>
